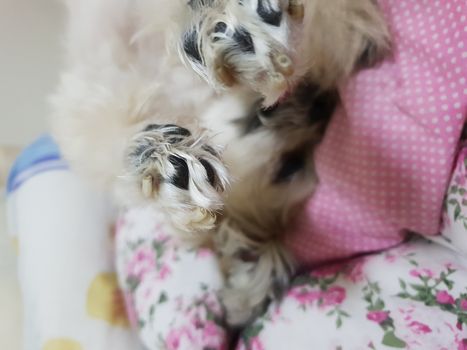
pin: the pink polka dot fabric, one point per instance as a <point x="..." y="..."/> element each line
<point x="386" y="159"/>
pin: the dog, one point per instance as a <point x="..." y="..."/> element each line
<point x="210" y="110"/>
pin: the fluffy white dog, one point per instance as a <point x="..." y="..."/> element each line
<point x="210" y="110"/>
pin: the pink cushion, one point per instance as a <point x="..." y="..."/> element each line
<point x="386" y="159"/>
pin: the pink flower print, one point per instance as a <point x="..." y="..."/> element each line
<point x="253" y="344"/>
<point x="448" y="265"/>
<point x="142" y="262"/>
<point x="459" y="179"/>
<point x="212" y="303"/>
<point x="333" y="296"/>
<point x="377" y="316"/>
<point x="462" y="345"/>
<point x="160" y="235"/>
<point x="421" y="273"/>
<point x="443" y="297"/>
<point x="389" y="257"/>
<point x="256" y="344"/>
<point x="213" y="337"/>
<point x="419" y="328"/>
<point x="356" y="273"/>
<point x="164" y="272"/>
<point x="427" y="273"/>
<point x="463" y="304"/>
<point x="196" y="314"/>
<point x="175" y="337"/>
<point x="196" y="336"/>
<point x="304" y="297"/>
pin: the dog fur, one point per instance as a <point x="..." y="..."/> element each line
<point x="174" y="104"/>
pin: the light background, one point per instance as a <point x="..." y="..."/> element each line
<point x="30" y="58"/>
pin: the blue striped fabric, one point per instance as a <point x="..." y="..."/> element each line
<point x="42" y="155"/>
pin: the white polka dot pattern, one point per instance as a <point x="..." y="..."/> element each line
<point x="386" y="159"/>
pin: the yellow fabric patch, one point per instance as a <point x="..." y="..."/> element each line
<point x="105" y="300"/>
<point x="62" y="344"/>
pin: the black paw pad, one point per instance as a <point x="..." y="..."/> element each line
<point x="211" y="174"/>
<point x="182" y="175"/>
<point x="244" y="41"/>
<point x="268" y="14"/>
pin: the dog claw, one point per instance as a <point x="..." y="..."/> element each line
<point x="283" y="64"/>
<point x="203" y="216"/>
<point x="147" y="187"/>
<point x="296" y="9"/>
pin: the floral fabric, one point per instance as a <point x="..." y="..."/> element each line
<point x="413" y="296"/>
<point x="410" y="297"/>
<point x="171" y="291"/>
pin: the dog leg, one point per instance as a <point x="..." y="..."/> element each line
<point x="256" y="272"/>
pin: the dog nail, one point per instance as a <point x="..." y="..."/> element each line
<point x="225" y="75"/>
<point x="283" y="64"/>
<point x="296" y="9"/>
<point x="202" y="215"/>
<point x="147" y="186"/>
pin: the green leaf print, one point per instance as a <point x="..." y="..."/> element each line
<point x="251" y="332"/>
<point x="132" y="283"/>
<point x="163" y="298"/>
<point x="457" y="211"/>
<point x="391" y="340"/>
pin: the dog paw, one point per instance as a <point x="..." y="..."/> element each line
<point x="242" y="42"/>
<point x="256" y="272"/>
<point x="168" y="166"/>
